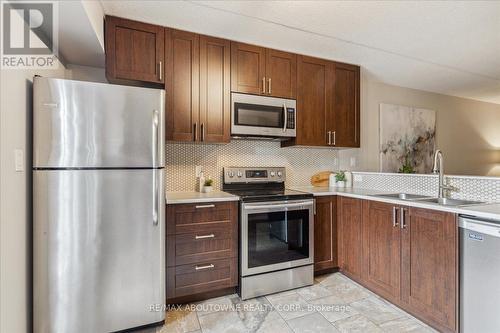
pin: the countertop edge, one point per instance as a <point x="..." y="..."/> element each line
<point x="174" y="198"/>
<point x="473" y="210"/>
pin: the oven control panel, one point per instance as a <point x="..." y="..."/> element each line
<point x="254" y="175"/>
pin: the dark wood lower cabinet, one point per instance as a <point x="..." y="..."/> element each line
<point x="202" y="249"/>
<point x="381" y="249"/>
<point x="325" y="234"/>
<point x="350" y="236"/>
<point x="430" y="269"/>
<point x="406" y="255"/>
<point x="201" y="277"/>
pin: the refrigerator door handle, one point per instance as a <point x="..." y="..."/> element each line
<point x="156" y="195"/>
<point x="156" y="137"/>
<point x="155" y="164"/>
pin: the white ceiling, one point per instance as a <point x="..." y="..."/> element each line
<point x="449" y="47"/>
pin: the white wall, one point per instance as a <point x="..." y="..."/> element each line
<point x="15" y="220"/>
<point x="467" y="131"/>
<point x="86" y="73"/>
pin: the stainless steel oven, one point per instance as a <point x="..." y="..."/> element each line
<point x="262" y="116"/>
<point x="277" y="246"/>
<point x="276" y="235"/>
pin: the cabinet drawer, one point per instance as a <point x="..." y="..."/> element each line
<point x="201" y="277"/>
<point x="190" y="217"/>
<point x="208" y="243"/>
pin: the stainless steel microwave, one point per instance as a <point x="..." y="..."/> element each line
<point x="262" y="116"/>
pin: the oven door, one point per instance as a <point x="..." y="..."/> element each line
<point x="276" y="235"/>
<point x="262" y="116"/>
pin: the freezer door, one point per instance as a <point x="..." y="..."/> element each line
<point x="79" y="124"/>
<point x="98" y="252"/>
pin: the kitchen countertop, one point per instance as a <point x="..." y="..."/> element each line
<point x="197" y="197"/>
<point x="489" y="211"/>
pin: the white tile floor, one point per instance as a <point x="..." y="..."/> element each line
<point x="333" y="304"/>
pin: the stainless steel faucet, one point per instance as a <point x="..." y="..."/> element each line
<point x="438" y="160"/>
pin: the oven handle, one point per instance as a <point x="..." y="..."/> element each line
<point x="278" y="206"/>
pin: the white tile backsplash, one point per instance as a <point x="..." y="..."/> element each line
<point x="466" y="187"/>
<point x="300" y="163"/>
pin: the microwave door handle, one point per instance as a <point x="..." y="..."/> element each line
<point x="285" y="117"/>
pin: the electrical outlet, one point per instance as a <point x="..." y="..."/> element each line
<point x="198" y="170"/>
<point x="353" y="162"/>
<point x="358" y="178"/>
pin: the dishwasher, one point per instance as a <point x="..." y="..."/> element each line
<point x="479" y="275"/>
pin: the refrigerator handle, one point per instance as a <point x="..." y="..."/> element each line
<point x="155" y="161"/>
<point x="156" y="195"/>
<point x="155" y="138"/>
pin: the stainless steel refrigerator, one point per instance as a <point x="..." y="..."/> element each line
<point x="98" y="206"/>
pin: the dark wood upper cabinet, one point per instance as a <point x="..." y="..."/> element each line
<point x="314" y="96"/>
<point x="215" y="99"/>
<point x="350" y="242"/>
<point x="325" y="233"/>
<point x="182" y="52"/>
<point x="430" y="269"/>
<point x="134" y="52"/>
<point x="281" y="73"/>
<point x="199" y="73"/>
<point x="248" y="68"/>
<point x="197" y="87"/>
<point x="260" y="71"/>
<point x="382" y="249"/>
<point x="327" y="104"/>
<point x="346" y="122"/>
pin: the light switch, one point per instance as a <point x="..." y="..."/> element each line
<point x="353" y="162"/>
<point x="19" y="160"/>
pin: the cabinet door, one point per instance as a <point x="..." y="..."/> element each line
<point x="215" y="91"/>
<point x="350" y="236"/>
<point x="346" y="106"/>
<point x="381" y="249"/>
<point x="325" y="234"/>
<point x="281" y="73"/>
<point x="314" y="93"/>
<point x="134" y="51"/>
<point x="248" y="68"/>
<point x="182" y="85"/>
<point x="430" y="266"/>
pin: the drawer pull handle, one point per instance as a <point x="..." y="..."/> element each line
<point x="204" y="267"/>
<point x="204" y="236"/>
<point x="205" y="206"/>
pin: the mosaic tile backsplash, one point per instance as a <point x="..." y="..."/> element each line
<point x="300" y="163"/>
<point x="465" y="187"/>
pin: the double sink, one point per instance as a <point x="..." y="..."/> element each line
<point x="428" y="199"/>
